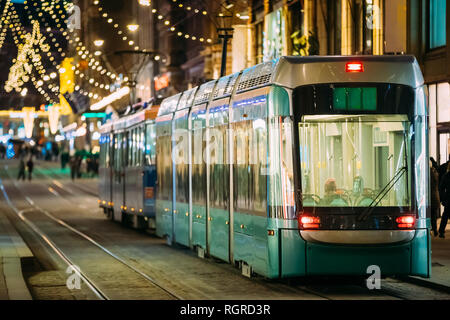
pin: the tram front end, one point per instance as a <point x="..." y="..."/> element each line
<point x="362" y="163"/>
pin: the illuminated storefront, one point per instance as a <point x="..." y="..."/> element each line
<point x="439" y="106"/>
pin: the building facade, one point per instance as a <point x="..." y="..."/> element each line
<point x="186" y="42"/>
<point x="347" y="27"/>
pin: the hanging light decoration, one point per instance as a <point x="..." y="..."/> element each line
<point x="28" y="121"/>
<point x="53" y="118"/>
<point x="21" y="70"/>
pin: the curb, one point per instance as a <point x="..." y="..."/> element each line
<point x="426" y="283"/>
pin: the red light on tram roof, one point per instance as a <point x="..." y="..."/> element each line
<point x="309" y="222"/>
<point x="405" y="222"/>
<point x="354" y="67"/>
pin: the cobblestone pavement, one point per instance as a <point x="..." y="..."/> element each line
<point x="176" y="268"/>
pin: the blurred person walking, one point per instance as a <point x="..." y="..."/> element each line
<point x="21" y="169"/>
<point x="64" y="159"/>
<point x="2" y="151"/>
<point x="30" y="165"/>
<point x="444" y="193"/>
<point x="435" y="202"/>
<point x="73" y="163"/>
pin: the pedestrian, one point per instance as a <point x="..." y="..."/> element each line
<point x="434" y="164"/>
<point x="73" y="167"/>
<point x="30" y="166"/>
<point x="444" y="193"/>
<point x="2" y="151"/>
<point x="21" y="169"/>
<point x="435" y="203"/>
<point x="64" y="159"/>
<point x="443" y="169"/>
<point x="82" y="168"/>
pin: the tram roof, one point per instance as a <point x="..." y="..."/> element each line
<point x="106" y="127"/>
<point x="294" y="71"/>
<point x="138" y="117"/>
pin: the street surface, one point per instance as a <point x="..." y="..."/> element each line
<point x="61" y="222"/>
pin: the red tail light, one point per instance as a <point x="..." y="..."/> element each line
<point x="405" y="222"/>
<point x="308" y="222"/>
<point x="354" y="67"/>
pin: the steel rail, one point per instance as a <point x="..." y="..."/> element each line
<point x="95" y="243"/>
<point x="20" y="214"/>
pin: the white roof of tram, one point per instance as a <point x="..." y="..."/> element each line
<point x="292" y="72"/>
<point x="106" y="127"/>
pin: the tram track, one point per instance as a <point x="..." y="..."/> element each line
<point x="73" y="184"/>
<point x="319" y="291"/>
<point x="328" y="292"/>
<point x="70" y="262"/>
<point x="296" y="289"/>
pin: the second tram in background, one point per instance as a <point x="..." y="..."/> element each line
<point x="299" y="166"/>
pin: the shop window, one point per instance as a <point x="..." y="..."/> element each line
<point x="437" y="11"/>
<point x="274" y="43"/>
<point x="443" y="102"/>
<point x="259" y="31"/>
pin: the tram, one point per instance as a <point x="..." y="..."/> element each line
<point x="127" y="171"/>
<point x="294" y="167"/>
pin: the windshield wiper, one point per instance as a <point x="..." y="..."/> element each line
<point x="382" y="193"/>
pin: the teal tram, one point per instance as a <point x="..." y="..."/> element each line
<point x="294" y="167"/>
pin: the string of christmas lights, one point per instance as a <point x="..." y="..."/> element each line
<point x="21" y="32"/>
<point x="3" y="25"/>
<point x="82" y="55"/>
<point x="91" y="81"/>
<point x="35" y="57"/>
<point x="171" y="28"/>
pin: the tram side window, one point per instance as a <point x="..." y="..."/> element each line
<point x="119" y="146"/>
<point x="198" y="168"/>
<point x="250" y="178"/>
<point x="164" y="166"/>
<point x="136" y="146"/>
<point x="107" y="156"/>
<point x="102" y="159"/>
<point x="219" y="181"/>
<point x="141" y="145"/>
<point x="150" y="145"/>
<point x="130" y="148"/>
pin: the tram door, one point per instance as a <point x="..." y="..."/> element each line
<point x="219" y="182"/>
<point x="118" y="189"/>
<point x="164" y="178"/>
<point x="181" y="177"/>
<point x="199" y="189"/>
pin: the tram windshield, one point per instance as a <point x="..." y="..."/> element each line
<point x="355" y="160"/>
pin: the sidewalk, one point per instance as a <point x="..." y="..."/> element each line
<point x="440" y="262"/>
<point x="12" y="250"/>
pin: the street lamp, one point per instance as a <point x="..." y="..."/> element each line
<point x="99" y="42"/>
<point x="145" y="3"/>
<point x="133" y="27"/>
